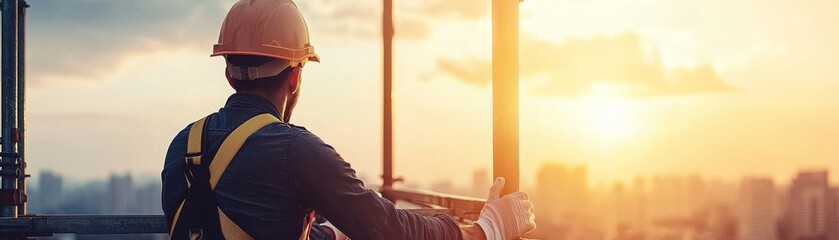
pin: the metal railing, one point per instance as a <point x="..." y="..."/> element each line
<point x="31" y="226"/>
<point x="465" y="209"/>
<point x="48" y="225"/>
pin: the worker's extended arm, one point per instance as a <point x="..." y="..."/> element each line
<point x="323" y="181"/>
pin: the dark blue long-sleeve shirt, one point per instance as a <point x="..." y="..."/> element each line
<point x="281" y="172"/>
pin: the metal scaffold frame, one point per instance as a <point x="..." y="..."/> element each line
<point x="12" y="164"/>
<point x="505" y="103"/>
<point x="16" y="223"/>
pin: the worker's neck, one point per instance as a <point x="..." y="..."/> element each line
<point x="277" y="98"/>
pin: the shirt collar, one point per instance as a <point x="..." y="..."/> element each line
<point x="252" y="102"/>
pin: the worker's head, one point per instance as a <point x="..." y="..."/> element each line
<point x="268" y="77"/>
<point x="266" y="44"/>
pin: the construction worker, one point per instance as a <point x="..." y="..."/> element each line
<point x="245" y="172"/>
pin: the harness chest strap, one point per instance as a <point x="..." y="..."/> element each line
<point x="229" y="147"/>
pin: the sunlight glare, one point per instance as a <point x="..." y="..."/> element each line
<point x="612" y="122"/>
<point x="609" y="119"/>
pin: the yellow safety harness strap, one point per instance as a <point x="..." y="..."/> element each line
<point x="193" y="146"/>
<point x="225" y="154"/>
<point x="234" y="142"/>
<point x="228" y="149"/>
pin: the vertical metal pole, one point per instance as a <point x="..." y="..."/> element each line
<point x="9" y="169"/>
<point x="21" y="104"/>
<point x="505" y="92"/>
<point x="387" y="120"/>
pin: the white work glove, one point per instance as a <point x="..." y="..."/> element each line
<point x="508" y="217"/>
<point x="338" y="234"/>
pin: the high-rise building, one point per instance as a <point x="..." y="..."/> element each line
<point x="481" y="181"/>
<point x="638" y="203"/>
<point x="120" y="194"/>
<point x="564" y="187"/>
<point x="677" y="196"/>
<point x="808" y="206"/>
<point x="833" y="215"/>
<point x="50" y="192"/>
<point x="148" y="199"/>
<point x="756" y="209"/>
<point x="563" y="201"/>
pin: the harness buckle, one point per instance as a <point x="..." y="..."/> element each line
<point x="193" y="159"/>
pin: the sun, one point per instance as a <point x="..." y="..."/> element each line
<point x="612" y="121"/>
<point x="609" y="119"/>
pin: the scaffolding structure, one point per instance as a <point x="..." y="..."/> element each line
<point x="505" y="107"/>
<point x="17" y="223"/>
<point x="12" y="164"/>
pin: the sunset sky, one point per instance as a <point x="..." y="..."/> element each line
<point x="718" y="88"/>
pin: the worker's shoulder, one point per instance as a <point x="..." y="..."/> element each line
<point x="299" y="136"/>
<point x="289" y="131"/>
<point x="281" y="127"/>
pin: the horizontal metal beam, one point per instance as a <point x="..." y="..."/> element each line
<point x="47" y="225"/>
<point x="82" y="224"/>
<point x="458" y="206"/>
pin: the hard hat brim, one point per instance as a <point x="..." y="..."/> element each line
<point x="298" y="55"/>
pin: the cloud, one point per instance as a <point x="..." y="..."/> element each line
<point x="86" y="39"/>
<point x="456" y="10"/>
<point x="89" y="39"/>
<point x="343" y="19"/>
<point x="361" y="19"/>
<point x="472" y="70"/>
<point x="579" y="66"/>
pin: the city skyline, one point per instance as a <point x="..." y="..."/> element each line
<point x="530" y="182"/>
<point x="570" y="207"/>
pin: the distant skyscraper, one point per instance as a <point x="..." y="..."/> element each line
<point x="443" y="186"/>
<point x="676" y="196"/>
<point x="562" y="189"/>
<point x="148" y="199"/>
<point x="49" y="195"/>
<point x="563" y="201"/>
<point x="481" y="181"/>
<point x="638" y="203"/>
<point x="120" y="194"/>
<point x="833" y="216"/>
<point x="756" y="206"/>
<point x="808" y="206"/>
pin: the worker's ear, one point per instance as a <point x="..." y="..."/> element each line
<point x="294" y="80"/>
<point x="229" y="79"/>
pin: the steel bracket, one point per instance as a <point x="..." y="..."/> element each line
<point x="10" y="197"/>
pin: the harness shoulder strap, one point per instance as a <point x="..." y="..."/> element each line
<point x="193" y="147"/>
<point x="225" y="154"/>
<point x="234" y="142"/>
<point x="228" y="149"/>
